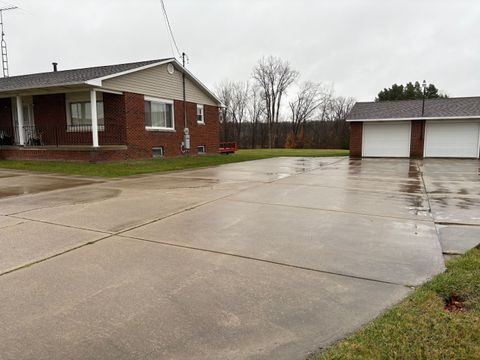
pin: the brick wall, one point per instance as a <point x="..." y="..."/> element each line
<point x="115" y="115"/>
<point x="125" y="118"/>
<point x="140" y="141"/>
<point x="356" y="133"/>
<point x="417" y="138"/>
<point x="91" y="155"/>
<point x="6" y="118"/>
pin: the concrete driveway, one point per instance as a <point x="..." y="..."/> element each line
<point x="270" y="259"/>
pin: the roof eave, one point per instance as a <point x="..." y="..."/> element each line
<point x="418" y="118"/>
<point x="99" y="81"/>
<point x="199" y="83"/>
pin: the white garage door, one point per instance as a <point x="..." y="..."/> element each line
<point x="386" y="139"/>
<point x="452" y="139"/>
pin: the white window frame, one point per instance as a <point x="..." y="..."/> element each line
<point x="162" y="150"/>
<point x="163" y="101"/>
<point x="204" y="150"/>
<point x="81" y="98"/>
<point x="200" y="107"/>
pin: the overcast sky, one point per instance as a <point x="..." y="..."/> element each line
<point x="361" y="46"/>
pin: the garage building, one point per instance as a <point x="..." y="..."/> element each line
<point x="436" y="128"/>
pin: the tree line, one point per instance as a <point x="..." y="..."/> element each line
<point x="274" y="109"/>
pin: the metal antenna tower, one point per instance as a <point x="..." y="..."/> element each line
<point x="3" y="42"/>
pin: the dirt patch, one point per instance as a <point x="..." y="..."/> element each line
<point x="454" y="304"/>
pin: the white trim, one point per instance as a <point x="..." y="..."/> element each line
<point x="98" y="81"/>
<point x="159" y="128"/>
<point x="204" y="149"/>
<point x="20" y="119"/>
<point x="126" y="72"/>
<point x="199" y="83"/>
<point x="419" y="118"/>
<point x="163" y="101"/>
<point x="93" y="109"/>
<point x="200" y="106"/>
<point x="103" y="90"/>
<point x="155" y="99"/>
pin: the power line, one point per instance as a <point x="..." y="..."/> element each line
<point x="169" y="29"/>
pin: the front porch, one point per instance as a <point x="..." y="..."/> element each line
<point x="63" y="125"/>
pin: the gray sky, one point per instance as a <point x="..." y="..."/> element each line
<point x="361" y="46"/>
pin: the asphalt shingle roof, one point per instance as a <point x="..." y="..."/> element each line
<point x="67" y="77"/>
<point x="404" y="109"/>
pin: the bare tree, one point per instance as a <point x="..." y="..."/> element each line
<point x="239" y="107"/>
<point x="224" y="93"/>
<point x="274" y="76"/>
<point x="308" y="100"/>
<point x="340" y="107"/>
<point x="256" y="112"/>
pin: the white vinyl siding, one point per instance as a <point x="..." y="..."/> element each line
<point x="157" y="82"/>
<point x="386" y="139"/>
<point x="458" y="139"/>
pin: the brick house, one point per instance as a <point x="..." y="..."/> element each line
<point x="116" y="112"/>
<point x="434" y="128"/>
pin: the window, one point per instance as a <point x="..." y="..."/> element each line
<point x="200" y="115"/>
<point x="201" y="149"/>
<point x="158" y="114"/>
<point x="81" y="113"/>
<point x="158" y="152"/>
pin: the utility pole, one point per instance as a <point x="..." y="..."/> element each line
<point x="424" y="85"/>
<point x="186" y="131"/>
<point x="3" y="44"/>
<point x="184" y="91"/>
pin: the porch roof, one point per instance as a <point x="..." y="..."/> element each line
<point x="68" y="77"/>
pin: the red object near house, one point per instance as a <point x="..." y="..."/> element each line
<point x="227" y="148"/>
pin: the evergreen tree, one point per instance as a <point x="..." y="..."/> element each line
<point x="409" y="92"/>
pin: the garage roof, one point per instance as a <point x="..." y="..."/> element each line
<point x="461" y="107"/>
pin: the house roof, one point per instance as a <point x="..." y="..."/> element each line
<point x="461" y="107"/>
<point x="68" y="77"/>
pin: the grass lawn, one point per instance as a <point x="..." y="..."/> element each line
<point x="126" y="168"/>
<point x="421" y="327"/>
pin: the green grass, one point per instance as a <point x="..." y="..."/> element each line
<point x="127" y="168"/>
<point x="419" y="327"/>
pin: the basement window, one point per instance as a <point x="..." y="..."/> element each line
<point x="201" y="149"/>
<point x="158" y="152"/>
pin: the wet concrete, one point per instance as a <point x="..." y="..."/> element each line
<point x="377" y="248"/>
<point x="459" y="239"/>
<point x="264" y="259"/>
<point x="124" y="299"/>
<point x="24" y="242"/>
<point x="453" y="187"/>
<point x="23" y="184"/>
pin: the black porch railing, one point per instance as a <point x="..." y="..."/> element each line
<point x="67" y="135"/>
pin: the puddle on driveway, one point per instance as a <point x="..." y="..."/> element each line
<point x="2" y="176"/>
<point x="33" y="184"/>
